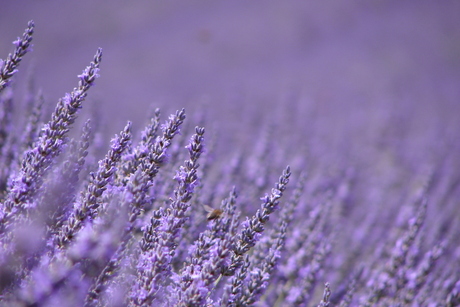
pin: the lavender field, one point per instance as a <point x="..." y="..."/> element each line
<point x="230" y="154"/>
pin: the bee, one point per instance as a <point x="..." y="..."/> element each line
<point x="212" y="213"/>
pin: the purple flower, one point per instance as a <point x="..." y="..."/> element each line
<point x="375" y="223"/>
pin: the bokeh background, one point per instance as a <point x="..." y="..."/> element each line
<point x="348" y="66"/>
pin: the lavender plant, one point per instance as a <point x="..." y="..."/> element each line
<point x="131" y="230"/>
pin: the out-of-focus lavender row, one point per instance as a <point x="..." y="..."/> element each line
<point x="364" y="215"/>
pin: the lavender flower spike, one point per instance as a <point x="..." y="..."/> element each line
<point x="253" y="228"/>
<point x="260" y="275"/>
<point x="161" y="237"/>
<point x="53" y="136"/>
<point x="87" y="207"/>
<point x="326" y="295"/>
<point x="9" y="66"/>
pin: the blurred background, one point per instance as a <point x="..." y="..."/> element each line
<point x="345" y="65"/>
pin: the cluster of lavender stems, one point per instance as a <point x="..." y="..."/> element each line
<point x="131" y="229"/>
